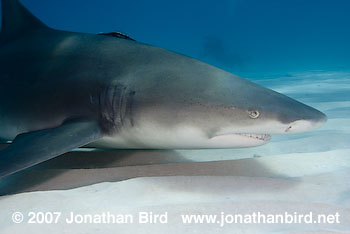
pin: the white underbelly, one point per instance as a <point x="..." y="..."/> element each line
<point x="181" y="138"/>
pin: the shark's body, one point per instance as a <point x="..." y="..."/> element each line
<point x="61" y="90"/>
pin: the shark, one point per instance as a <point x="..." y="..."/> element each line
<point x="63" y="90"/>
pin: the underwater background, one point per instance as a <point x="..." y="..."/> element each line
<point x="245" y="37"/>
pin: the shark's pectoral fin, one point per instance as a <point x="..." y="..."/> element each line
<point x="31" y="148"/>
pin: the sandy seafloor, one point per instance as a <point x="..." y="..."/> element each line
<point x="302" y="173"/>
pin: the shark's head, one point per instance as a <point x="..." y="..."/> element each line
<point x="180" y="102"/>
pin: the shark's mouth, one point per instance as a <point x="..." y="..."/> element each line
<point x="239" y="140"/>
<point x="261" y="137"/>
<point x="252" y="136"/>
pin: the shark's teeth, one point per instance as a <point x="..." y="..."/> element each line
<point x="263" y="137"/>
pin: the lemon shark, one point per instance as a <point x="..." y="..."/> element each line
<point x="62" y="90"/>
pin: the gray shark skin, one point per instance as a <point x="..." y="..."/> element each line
<point x="62" y="90"/>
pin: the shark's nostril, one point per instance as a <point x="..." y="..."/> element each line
<point x="304" y="125"/>
<point x="288" y="129"/>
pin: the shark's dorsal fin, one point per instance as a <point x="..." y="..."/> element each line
<point x="16" y="20"/>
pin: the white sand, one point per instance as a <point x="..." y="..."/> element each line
<point x="301" y="173"/>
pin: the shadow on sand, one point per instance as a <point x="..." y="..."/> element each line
<point x="81" y="168"/>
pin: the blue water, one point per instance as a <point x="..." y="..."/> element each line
<point x="297" y="47"/>
<point x="242" y="36"/>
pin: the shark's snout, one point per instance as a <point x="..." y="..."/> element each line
<point x="291" y="115"/>
<point x="302" y="125"/>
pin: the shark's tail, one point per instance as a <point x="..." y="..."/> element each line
<point x="16" y="20"/>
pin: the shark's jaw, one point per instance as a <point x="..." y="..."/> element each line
<point x="239" y="140"/>
<point x="262" y="137"/>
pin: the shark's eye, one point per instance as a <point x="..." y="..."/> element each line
<point x="254" y="114"/>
